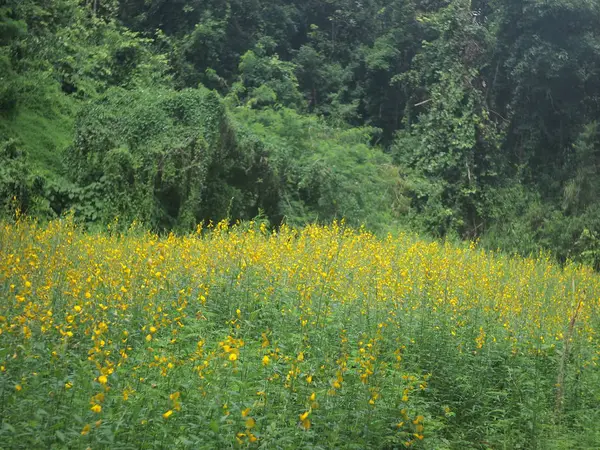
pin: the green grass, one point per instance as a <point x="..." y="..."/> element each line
<point x="42" y="124"/>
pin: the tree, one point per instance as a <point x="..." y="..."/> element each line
<point x="449" y="150"/>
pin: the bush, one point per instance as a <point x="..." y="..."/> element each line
<point x="169" y="159"/>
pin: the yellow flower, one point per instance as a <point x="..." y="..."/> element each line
<point x="304" y="415"/>
<point x="313" y="396"/>
<point x="96" y="408"/>
<point x="266" y="360"/>
<point x="148" y="337"/>
<point x="306" y="424"/>
<point x="250" y="423"/>
<point x="168" y="414"/>
<point x="102" y="379"/>
<point x="301" y="356"/>
<point x="232" y="357"/>
<point x="418" y="419"/>
<point x="309" y="379"/>
<point x="239" y="437"/>
<point x="86" y="429"/>
<point x="245" y="412"/>
<point x="68" y="385"/>
<point x="18" y="387"/>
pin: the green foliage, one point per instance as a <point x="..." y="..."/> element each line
<point x="570" y="228"/>
<point x="488" y="111"/>
<point x="97" y="55"/>
<point x="266" y="81"/>
<point x="8" y="87"/>
<point x="10" y="30"/>
<point x="174" y="159"/>
<point x="168" y="159"/>
<point x="325" y="172"/>
<point x="21" y="190"/>
<point x="449" y="150"/>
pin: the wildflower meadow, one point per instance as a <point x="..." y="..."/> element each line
<point x="321" y="337"/>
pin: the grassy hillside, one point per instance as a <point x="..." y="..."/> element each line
<point x="45" y="138"/>
<point x="317" y="338"/>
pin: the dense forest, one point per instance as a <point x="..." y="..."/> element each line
<point x="468" y="119"/>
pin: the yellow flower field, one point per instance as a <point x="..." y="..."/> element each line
<point x="324" y="337"/>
